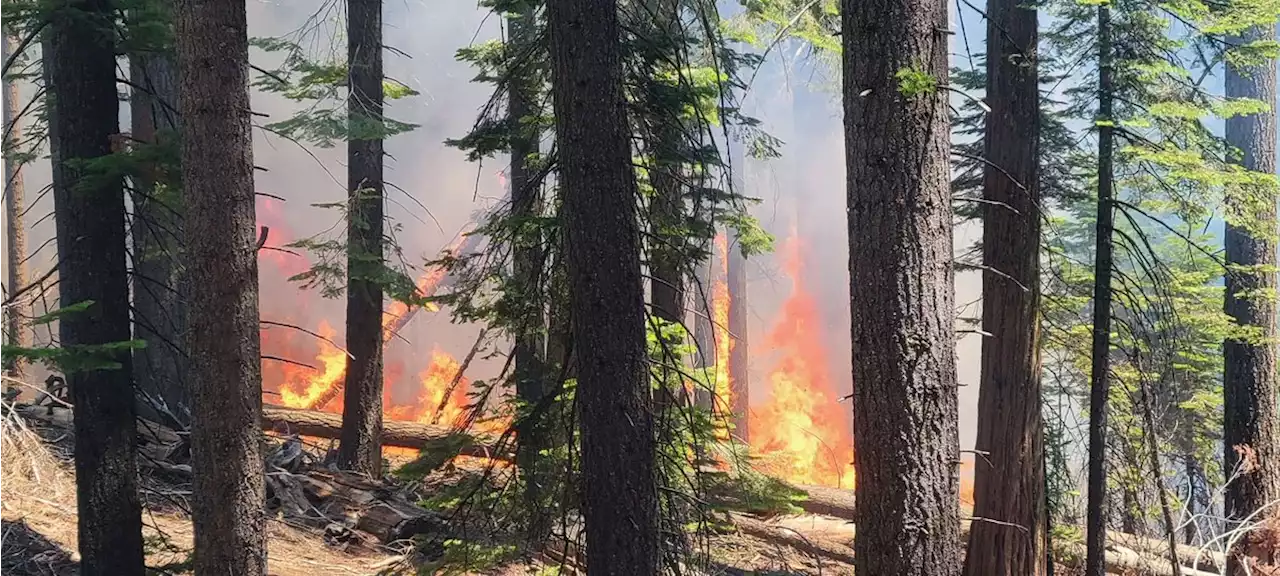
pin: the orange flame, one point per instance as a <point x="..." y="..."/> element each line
<point x="301" y="390"/>
<point x="720" y="299"/>
<point x="803" y="433"/>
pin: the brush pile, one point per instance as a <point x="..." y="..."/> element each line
<point x="302" y="489"/>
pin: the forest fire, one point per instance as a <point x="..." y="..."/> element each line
<point x="723" y="342"/>
<point x="803" y="434"/>
<point x="307" y="371"/>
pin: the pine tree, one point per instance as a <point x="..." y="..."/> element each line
<point x="93" y="287"/>
<point x="159" y="307"/>
<point x="901" y="282"/>
<point x="16" y="313"/>
<point x="361" y="447"/>
<point x="1009" y="478"/>
<point x="606" y="297"/>
<point x="1249" y="383"/>
<point x="226" y="372"/>
<point x="531" y="375"/>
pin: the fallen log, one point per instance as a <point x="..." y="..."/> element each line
<point x="1189" y="556"/>
<point x="1122" y="560"/>
<point x="396" y="433"/>
<point x="826" y="501"/>
<point x="812" y="546"/>
<point x="839" y="503"/>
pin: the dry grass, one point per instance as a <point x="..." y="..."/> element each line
<point x="38" y="507"/>
<point x="37" y="504"/>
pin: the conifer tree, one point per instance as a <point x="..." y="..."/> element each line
<point x="901" y="282"/>
<point x="606" y="297"/>
<point x="93" y="287"/>
<point x="226" y="374"/>
<point x="361" y="447"/>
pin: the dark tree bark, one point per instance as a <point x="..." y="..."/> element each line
<point x="530" y="375"/>
<point x="1009" y="481"/>
<point x="226" y="372"/>
<point x="159" y="305"/>
<point x="665" y="143"/>
<point x="89" y="210"/>
<point x="897" y="147"/>
<point x="1249" y="376"/>
<point x="16" y="333"/>
<point x="606" y="295"/>
<point x="1100" y="366"/>
<point x="361" y="445"/>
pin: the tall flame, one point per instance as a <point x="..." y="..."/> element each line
<point x="720" y="300"/>
<point x="803" y="433"/>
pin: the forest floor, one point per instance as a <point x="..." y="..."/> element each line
<point x="38" y="509"/>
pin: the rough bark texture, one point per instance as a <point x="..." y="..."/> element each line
<point x="1099" y="378"/>
<point x="906" y="441"/>
<point x="360" y="449"/>
<point x="530" y="344"/>
<point x="15" y="229"/>
<point x="606" y="296"/>
<point x="90" y="215"/>
<point x="158" y="293"/>
<point x="1009" y="480"/>
<point x="1249" y="379"/>
<point x="226" y="374"/>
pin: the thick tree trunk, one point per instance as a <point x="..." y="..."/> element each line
<point x="16" y="333"/>
<point x="158" y="293"/>
<point x="226" y="374"/>
<point x="1249" y="379"/>
<point x="902" y="290"/>
<point x="1100" y="378"/>
<point x="530" y="375"/>
<point x="90" y="215"/>
<point x="1009" y="479"/>
<point x="606" y="295"/>
<point x="360" y="448"/>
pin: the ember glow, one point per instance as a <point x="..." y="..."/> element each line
<point x="803" y="433"/>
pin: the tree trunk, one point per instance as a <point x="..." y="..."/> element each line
<point x="1191" y="470"/>
<point x="736" y="271"/>
<point x="1249" y="376"/>
<point x="90" y="214"/>
<point x="226" y="373"/>
<point x="531" y="378"/>
<point x="1100" y="378"/>
<point x="1009" y="480"/>
<point x="360" y="448"/>
<point x="739" y="381"/>
<point x="159" y="306"/>
<point x="901" y="287"/>
<point x="703" y="331"/>
<point x="16" y="230"/>
<point x="606" y="295"/>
